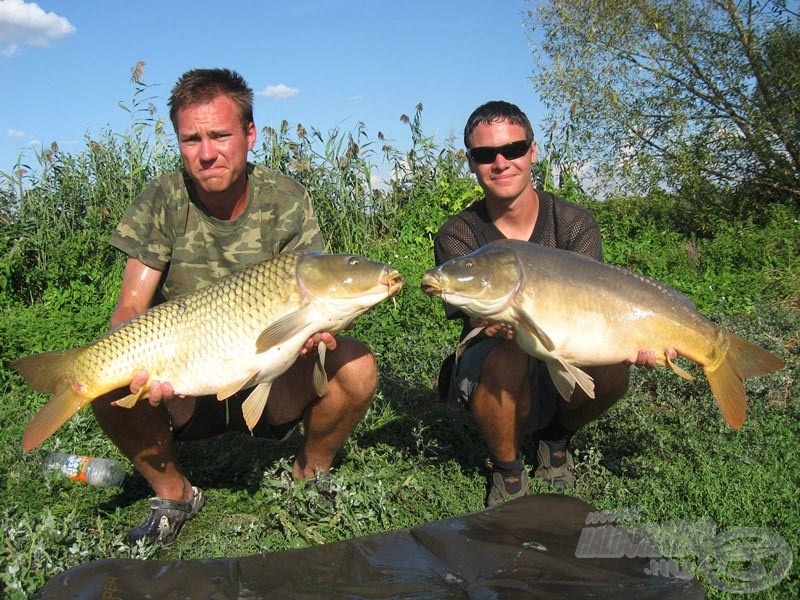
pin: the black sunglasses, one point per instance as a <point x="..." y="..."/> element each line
<point x="486" y="155"/>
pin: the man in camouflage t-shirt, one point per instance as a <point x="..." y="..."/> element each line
<point x="494" y="384"/>
<point x="188" y="229"/>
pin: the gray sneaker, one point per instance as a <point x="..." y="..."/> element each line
<point x="556" y="464"/>
<point x="166" y="519"/>
<point x="497" y="489"/>
<point x="324" y="484"/>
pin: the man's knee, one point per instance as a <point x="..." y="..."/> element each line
<point x="352" y="367"/>
<point x="611" y="382"/>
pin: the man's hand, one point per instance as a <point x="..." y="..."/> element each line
<point x="647" y="358"/>
<point x="493" y="329"/>
<point x="325" y="337"/>
<point x="160" y="391"/>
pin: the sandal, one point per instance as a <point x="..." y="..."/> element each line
<point x="498" y="492"/>
<point x="166" y="519"/>
<point x="324" y="484"/>
<point x="556" y="464"/>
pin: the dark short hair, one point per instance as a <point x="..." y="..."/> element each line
<point x="497" y="110"/>
<point x="199" y="86"/>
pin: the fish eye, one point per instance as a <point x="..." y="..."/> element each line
<point x="353" y="261"/>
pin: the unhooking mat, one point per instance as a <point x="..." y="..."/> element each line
<point x="525" y="548"/>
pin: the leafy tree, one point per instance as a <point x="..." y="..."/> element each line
<point x="666" y="93"/>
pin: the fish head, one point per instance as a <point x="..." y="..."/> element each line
<point x="481" y="283"/>
<point x="351" y="283"/>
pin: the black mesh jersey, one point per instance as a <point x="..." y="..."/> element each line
<point x="560" y="224"/>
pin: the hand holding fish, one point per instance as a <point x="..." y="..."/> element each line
<point x="314" y="341"/>
<point x="492" y="329"/>
<point x="160" y="391"/>
<point x="644" y="358"/>
<point x="647" y="358"/>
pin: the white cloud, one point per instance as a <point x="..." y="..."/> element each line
<point x="26" y="23"/>
<point x="15" y="134"/>
<point x="279" y="92"/>
<point x="9" y="50"/>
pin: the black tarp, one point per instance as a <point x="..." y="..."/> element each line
<point x="525" y="548"/>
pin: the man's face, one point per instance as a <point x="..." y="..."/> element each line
<point x="502" y="179"/>
<point x="213" y="144"/>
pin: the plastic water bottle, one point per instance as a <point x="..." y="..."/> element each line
<point x="86" y="469"/>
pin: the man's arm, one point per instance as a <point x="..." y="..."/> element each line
<point x="139" y="284"/>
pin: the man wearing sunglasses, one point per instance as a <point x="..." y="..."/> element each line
<point x="495" y="385"/>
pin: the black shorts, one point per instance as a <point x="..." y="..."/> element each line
<point x="466" y="373"/>
<point x="214" y="417"/>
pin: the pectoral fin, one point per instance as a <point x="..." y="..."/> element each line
<point x="226" y="391"/>
<point x="282" y="329"/>
<point x="253" y="407"/>
<point x="131" y="399"/>
<point x="536" y="342"/>
<point x="320" y="376"/>
<point x="527" y="342"/>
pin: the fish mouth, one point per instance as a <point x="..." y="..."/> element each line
<point x="431" y="285"/>
<point x="431" y="290"/>
<point x="393" y="280"/>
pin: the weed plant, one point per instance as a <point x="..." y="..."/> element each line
<point x="664" y="450"/>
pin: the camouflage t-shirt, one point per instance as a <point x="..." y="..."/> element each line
<point x="167" y="229"/>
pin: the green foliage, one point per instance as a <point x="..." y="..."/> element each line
<point x="425" y="184"/>
<point x="667" y="93"/>
<point x="339" y="176"/>
<point x="55" y="222"/>
<point x="743" y="265"/>
<point x="559" y="170"/>
<point x="664" y="449"/>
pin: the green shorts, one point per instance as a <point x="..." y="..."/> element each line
<point x="465" y="376"/>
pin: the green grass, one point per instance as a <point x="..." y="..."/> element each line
<point x="664" y="450"/>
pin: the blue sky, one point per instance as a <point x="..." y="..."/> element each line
<point x="65" y="65"/>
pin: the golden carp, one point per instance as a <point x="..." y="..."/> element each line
<point x="572" y="311"/>
<point x="244" y="330"/>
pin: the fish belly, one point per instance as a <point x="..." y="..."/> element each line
<point x="217" y="364"/>
<point x="592" y="329"/>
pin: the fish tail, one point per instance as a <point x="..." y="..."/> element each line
<point x="741" y="361"/>
<point x="64" y="403"/>
<point x="752" y="360"/>
<point x="44" y="372"/>
<point x="49" y="373"/>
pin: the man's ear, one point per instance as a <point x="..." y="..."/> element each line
<point x="252" y="135"/>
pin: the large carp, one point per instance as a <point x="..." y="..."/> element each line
<point x="570" y="310"/>
<point x="244" y="330"/>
